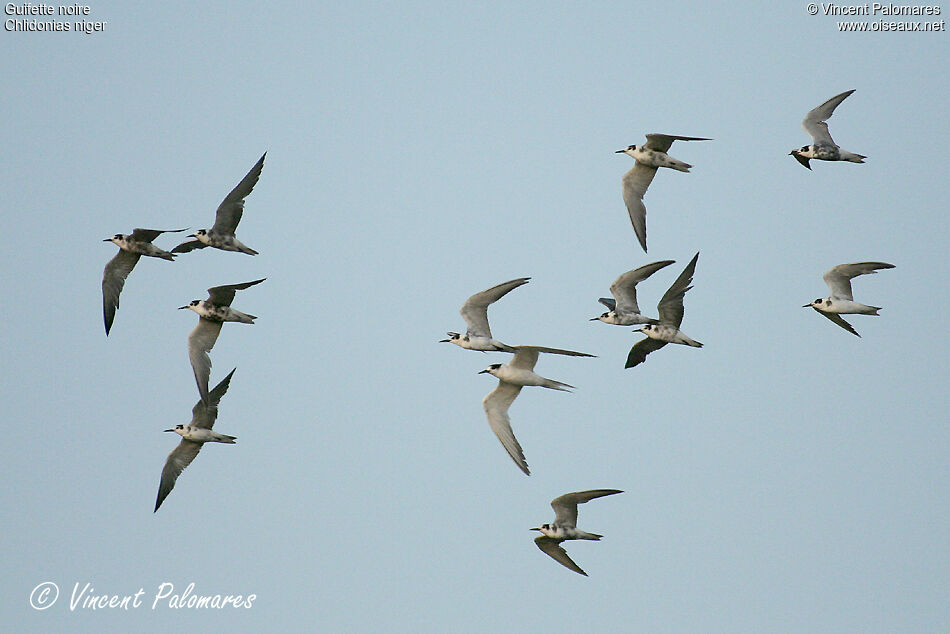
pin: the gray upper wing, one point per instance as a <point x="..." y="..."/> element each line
<point x="624" y="288"/>
<point x="475" y="309"/>
<point x="635" y="183"/>
<point x="838" y="319"/>
<point x="204" y="414"/>
<point x="671" y="304"/>
<point x="224" y="295"/>
<point x="180" y="457"/>
<point x="552" y="547"/>
<point x="147" y="235"/>
<point x="113" y="279"/>
<point x="190" y="245"/>
<point x="814" y="121"/>
<point x="496" y="405"/>
<point x="838" y="278"/>
<point x="200" y="342"/>
<point x="525" y="358"/>
<point x="565" y="506"/>
<point x="232" y="207"/>
<point x="663" y="142"/>
<point x="638" y="353"/>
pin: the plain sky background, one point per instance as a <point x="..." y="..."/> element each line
<point x="787" y="477"/>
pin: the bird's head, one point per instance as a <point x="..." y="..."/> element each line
<point x="603" y="317"/>
<point x="193" y="305"/>
<point x="491" y="369"/>
<point x="630" y="149"/>
<point x="176" y="428"/>
<point x="117" y="238"/>
<point x="453" y="338"/>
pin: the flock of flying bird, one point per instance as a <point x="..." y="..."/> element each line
<point x="622" y="310"/>
<point x="212" y="313"/>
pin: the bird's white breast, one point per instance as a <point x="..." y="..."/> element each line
<point x="518" y="376"/>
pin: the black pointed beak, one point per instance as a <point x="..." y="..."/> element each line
<point x="806" y="306"/>
<point x="182" y="307"/>
<point x="617" y="152"/>
<point x="593" y="319"/>
<point x="108" y="240"/>
<point x="445" y="341"/>
<point x="534" y="529"/>
<point x="484" y="372"/>
<point x="168" y="430"/>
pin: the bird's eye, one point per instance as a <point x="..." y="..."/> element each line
<point x="804" y="148"/>
<point x="194" y="302"/>
<point x="117" y="236"/>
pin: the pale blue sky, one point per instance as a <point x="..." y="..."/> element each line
<point x="787" y="477"/>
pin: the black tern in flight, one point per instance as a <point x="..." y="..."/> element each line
<point x="564" y="526"/>
<point x="650" y="157"/>
<point x="193" y="436"/>
<point x="623" y="309"/>
<point x="671" y="316"/>
<point x="212" y="313"/>
<point x="221" y="234"/>
<point x="513" y="376"/>
<point x="823" y="147"/>
<point x="475" y="313"/>
<point x="841" y="301"/>
<point x="131" y="248"/>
